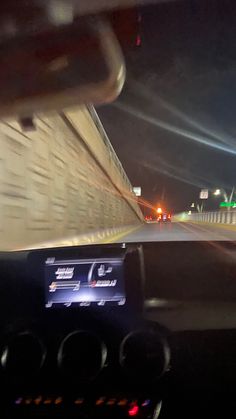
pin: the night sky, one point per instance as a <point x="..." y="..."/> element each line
<point x="174" y="125"/>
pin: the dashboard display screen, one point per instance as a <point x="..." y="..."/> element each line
<point x="84" y="282"/>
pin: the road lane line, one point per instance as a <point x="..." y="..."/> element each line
<point x="230" y="227"/>
<point x="210" y="231"/>
<point x="190" y="230"/>
<point x="117" y="237"/>
<point x="213" y="243"/>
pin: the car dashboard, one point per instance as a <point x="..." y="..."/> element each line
<point x="142" y="330"/>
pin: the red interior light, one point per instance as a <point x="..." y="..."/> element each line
<point x="138" y="41"/>
<point x="133" y="411"/>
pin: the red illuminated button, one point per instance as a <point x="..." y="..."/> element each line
<point x="133" y="410"/>
<point x="138" y="41"/>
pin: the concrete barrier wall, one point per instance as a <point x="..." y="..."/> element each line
<point x="219" y="217"/>
<point x="61" y="180"/>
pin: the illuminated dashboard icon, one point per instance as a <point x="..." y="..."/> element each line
<point x="64" y="285"/>
<point x="146" y="403"/>
<point x="50" y="260"/>
<point x="47" y="401"/>
<point x="123" y="402"/>
<point x="79" y="401"/>
<point x="58" y="401"/>
<point x="19" y="400"/>
<point x="64" y="273"/>
<point x="111" y="402"/>
<point x="84" y="282"/>
<point x="38" y="400"/>
<point x="100" y="401"/>
<point x="102" y="271"/>
<point x="52" y="287"/>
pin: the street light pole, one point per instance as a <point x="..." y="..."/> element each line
<point x="227" y="198"/>
<point x="200" y="207"/>
<point x="231" y="195"/>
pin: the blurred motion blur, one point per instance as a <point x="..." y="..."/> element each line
<point x="171" y="132"/>
<point x="58" y="179"/>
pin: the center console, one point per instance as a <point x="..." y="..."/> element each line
<point x="73" y="339"/>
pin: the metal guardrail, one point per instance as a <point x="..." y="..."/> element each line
<point x="108" y="144"/>
<point x="221" y="217"/>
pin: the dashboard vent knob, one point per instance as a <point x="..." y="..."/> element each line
<point x="145" y="354"/>
<point x="82" y="354"/>
<point x="23" y="355"/>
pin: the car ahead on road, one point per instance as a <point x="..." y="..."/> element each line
<point x="149" y="218"/>
<point x="165" y="218"/>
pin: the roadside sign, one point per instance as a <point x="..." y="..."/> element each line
<point x="137" y="190"/>
<point x="231" y="204"/>
<point x="203" y="194"/>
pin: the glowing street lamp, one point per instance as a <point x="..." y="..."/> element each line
<point x="227" y="198"/>
<point x="159" y="210"/>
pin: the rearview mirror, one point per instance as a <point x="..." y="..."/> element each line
<point x="60" y="67"/>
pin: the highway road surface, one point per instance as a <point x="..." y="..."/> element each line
<point x="197" y="279"/>
<point x="175" y="231"/>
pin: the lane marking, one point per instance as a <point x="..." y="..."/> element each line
<point x="201" y="229"/>
<point x="218" y="234"/>
<point x="118" y="236"/>
<point x="191" y="230"/>
<point x="211" y="242"/>
<point x="231" y="227"/>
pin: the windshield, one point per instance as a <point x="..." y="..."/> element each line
<point x="157" y="164"/>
